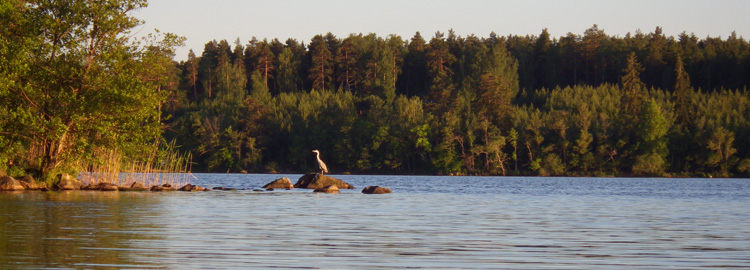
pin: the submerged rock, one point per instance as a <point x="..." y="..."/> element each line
<point x="190" y="187"/>
<point x="67" y="182"/>
<point x="333" y="189"/>
<point x="7" y="183"/>
<point x="224" y="189"/>
<point x="281" y="183"/>
<point x="376" y="190"/>
<point x="316" y="180"/>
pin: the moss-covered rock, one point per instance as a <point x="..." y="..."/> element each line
<point x="67" y="182"/>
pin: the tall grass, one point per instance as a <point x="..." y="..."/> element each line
<point x="166" y="166"/>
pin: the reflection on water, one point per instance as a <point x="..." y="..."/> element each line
<point x="428" y="222"/>
<point x="72" y="228"/>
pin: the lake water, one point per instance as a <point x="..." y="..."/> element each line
<point x="427" y="223"/>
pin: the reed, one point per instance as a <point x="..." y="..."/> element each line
<point x="166" y="166"/>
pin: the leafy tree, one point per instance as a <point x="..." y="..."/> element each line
<point x="652" y="140"/>
<point x="721" y="150"/>
<point x="78" y="83"/>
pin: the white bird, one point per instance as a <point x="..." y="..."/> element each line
<point x="322" y="166"/>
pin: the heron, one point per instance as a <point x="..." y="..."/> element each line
<point x="322" y="166"/>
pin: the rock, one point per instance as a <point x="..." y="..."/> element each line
<point x="190" y="187"/>
<point x="28" y="182"/>
<point x="101" y="186"/>
<point x="316" y="180"/>
<point x="138" y="185"/>
<point x="333" y="189"/>
<point x="164" y="187"/>
<point x="67" y="182"/>
<point x="283" y="183"/>
<point x="107" y="187"/>
<point x="7" y="183"/>
<point x="224" y="189"/>
<point x="376" y="190"/>
<point x="135" y="186"/>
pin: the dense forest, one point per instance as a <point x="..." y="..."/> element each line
<point x="591" y="104"/>
<point x="78" y="91"/>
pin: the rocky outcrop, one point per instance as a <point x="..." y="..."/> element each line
<point x="29" y="183"/>
<point x="7" y="183"/>
<point x="67" y="182"/>
<point x="281" y="183"/>
<point x="190" y="187"/>
<point x="333" y="189"/>
<point x="376" y="190"/>
<point x="316" y="181"/>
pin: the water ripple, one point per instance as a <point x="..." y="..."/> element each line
<point x="488" y="223"/>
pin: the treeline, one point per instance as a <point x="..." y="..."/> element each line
<point x="578" y="105"/>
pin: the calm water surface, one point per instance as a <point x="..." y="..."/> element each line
<point x="427" y="223"/>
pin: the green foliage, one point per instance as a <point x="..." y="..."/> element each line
<point x="651" y="164"/>
<point x="721" y="150"/>
<point x="744" y="166"/>
<point x="73" y="82"/>
<point x="551" y="165"/>
<point x="578" y="104"/>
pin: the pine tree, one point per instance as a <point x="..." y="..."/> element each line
<point x="321" y="70"/>
<point x="192" y="68"/>
<point x="682" y="93"/>
<point x="633" y="90"/>
<point x="415" y="73"/>
<point x="286" y="74"/>
<point x="439" y="61"/>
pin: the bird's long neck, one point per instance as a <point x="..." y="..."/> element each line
<point x="317" y="155"/>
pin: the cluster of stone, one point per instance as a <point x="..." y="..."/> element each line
<point x="321" y="183"/>
<point x="67" y="182"/>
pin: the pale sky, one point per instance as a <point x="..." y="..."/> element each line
<point x="201" y="21"/>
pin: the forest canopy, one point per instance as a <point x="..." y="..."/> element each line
<point x="590" y="104"/>
<point x="74" y="85"/>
